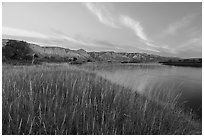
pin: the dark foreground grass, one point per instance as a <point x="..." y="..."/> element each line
<point x="65" y="100"/>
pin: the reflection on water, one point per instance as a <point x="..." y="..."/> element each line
<point x="163" y="83"/>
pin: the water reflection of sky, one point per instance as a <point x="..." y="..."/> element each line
<point x="151" y="79"/>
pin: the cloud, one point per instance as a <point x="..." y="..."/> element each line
<point x="135" y="26"/>
<point x="105" y="43"/>
<point x="149" y="49"/>
<point x="151" y="44"/>
<point x="192" y="43"/>
<point x="73" y="40"/>
<point x="103" y="15"/>
<point x="56" y="37"/>
<point x="88" y="42"/>
<point x="139" y="31"/>
<point x="84" y="41"/>
<point x="184" y="28"/>
<point x="22" y="33"/>
<point x="36" y="36"/>
<point x="173" y="28"/>
<point x="112" y="45"/>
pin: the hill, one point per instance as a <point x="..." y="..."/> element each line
<point x="21" y="51"/>
<point x="27" y="52"/>
<point x="128" y="57"/>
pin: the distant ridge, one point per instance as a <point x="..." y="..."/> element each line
<point x="15" y="50"/>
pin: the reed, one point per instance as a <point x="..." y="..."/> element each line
<point x="63" y="99"/>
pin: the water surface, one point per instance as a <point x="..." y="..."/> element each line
<point x="160" y="82"/>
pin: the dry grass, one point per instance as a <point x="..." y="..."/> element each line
<point x="61" y="99"/>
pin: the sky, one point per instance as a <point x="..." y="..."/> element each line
<point x="166" y="29"/>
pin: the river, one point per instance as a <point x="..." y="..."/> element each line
<point x="167" y="84"/>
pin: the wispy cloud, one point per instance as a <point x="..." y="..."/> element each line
<point x="101" y="12"/>
<point x="151" y="44"/>
<point x="111" y="44"/>
<point x="149" y="49"/>
<point x="22" y="33"/>
<point x="84" y="41"/>
<point x="192" y="43"/>
<point x="139" y="31"/>
<point x="76" y="41"/>
<point x="36" y="36"/>
<point x="105" y="17"/>
<point x="57" y="37"/>
<point x="174" y="28"/>
<point x="105" y="43"/>
<point x="134" y="25"/>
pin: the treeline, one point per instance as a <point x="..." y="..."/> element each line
<point x="191" y="62"/>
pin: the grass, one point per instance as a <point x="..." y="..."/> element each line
<point x="63" y="99"/>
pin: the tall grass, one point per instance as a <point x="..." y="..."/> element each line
<point x="61" y="99"/>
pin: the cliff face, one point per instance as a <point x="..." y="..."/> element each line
<point x="20" y="50"/>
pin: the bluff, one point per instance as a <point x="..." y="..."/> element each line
<point x="22" y="51"/>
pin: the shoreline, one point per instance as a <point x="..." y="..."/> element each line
<point x="183" y="64"/>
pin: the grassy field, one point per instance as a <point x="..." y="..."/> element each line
<point x="64" y="99"/>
